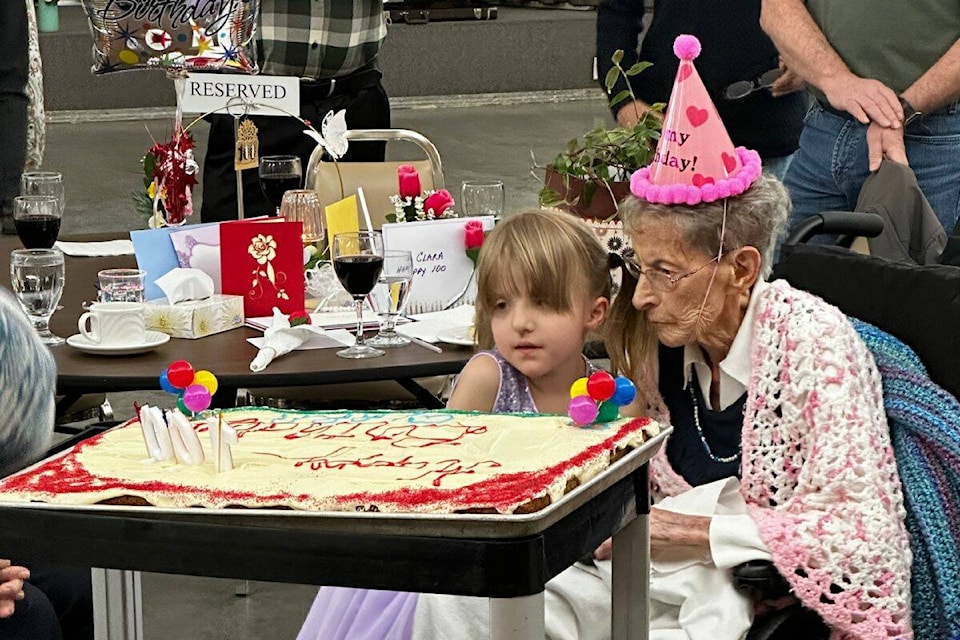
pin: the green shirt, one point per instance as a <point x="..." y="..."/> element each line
<point x="893" y="41"/>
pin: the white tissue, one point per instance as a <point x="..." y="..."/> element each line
<point x="180" y="285"/>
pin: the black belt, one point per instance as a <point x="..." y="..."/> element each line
<point x="352" y="83"/>
<point x="946" y="110"/>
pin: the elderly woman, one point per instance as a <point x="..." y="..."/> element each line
<point x="771" y="384"/>
<point x="57" y="602"/>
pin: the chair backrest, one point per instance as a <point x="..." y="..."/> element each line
<point x="918" y="305"/>
<point x="336" y="180"/>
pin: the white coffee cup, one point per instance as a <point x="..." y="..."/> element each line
<point x="114" y="324"/>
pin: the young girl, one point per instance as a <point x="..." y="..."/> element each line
<point x="544" y="285"/>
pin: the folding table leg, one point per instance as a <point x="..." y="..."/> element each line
<point x="517" y="618"/>
<point x="631" y="581"/>
<point x="117" y="610"/>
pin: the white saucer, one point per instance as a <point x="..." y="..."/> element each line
<point x="457" y="335"/>
<point x="154" y="340"/>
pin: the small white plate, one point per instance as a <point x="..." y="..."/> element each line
<point x="457" y="335"/>
<point x="154" y="340"/>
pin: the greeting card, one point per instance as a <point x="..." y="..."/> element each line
<point x="263" y="262"/>
<point x="197" y="246"/>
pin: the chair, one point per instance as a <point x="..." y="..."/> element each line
<point x="333" y="181"/>
<point x="923" y="418"/>
<point x="336" y="180"/>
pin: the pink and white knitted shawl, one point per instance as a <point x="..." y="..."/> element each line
<point x="818" y="473"/>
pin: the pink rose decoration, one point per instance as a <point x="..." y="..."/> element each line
<point x="473" y="234"/>
<point x="439" y="201"/>
<point x="409" y="181"/>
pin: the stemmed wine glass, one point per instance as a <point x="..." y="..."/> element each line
<point x="37" y="220"/>
<point x="37" y="279"/>
<point x="44" y="183"/>
<point x="358" y="261"/>
<point x="389" y="297"/>
<point x="279" y="174"/>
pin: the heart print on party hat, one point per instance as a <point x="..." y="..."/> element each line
<point x="695" y="160"/>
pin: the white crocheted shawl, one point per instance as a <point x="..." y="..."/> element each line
<point x="818" y="472"/>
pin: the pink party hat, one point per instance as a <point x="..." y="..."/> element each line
<point x="695" y="160"/>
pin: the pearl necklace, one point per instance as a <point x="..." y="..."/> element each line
<point x="703" y="440"/>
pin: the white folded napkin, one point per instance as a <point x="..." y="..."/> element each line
<point x="428" y="324"/>
<point x="280" y="339"/>
<point x="92" y="249"/>
<point x="180" y="285"/>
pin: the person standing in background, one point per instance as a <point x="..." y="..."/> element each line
<point x="13" y="105"/>
<point x="332" y="46"/>
<point x="756" y="96"/>
<point x="886" y="78"/>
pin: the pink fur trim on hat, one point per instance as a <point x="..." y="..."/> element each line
<point x="686" y="47"/>
<point x="732" y="185"/>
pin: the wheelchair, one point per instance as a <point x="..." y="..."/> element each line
<point x="920" y="306"/>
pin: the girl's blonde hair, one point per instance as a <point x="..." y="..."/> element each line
<point x="550" y="256"/>
<point x="755" y="218"/>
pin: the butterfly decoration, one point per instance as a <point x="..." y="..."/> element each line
<point x="333" y="134"/>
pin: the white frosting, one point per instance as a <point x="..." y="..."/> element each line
<point x="394" y="461"/>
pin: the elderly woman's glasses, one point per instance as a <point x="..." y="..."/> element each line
<point x="659" y="280"/>
<point x="742" y="88"/>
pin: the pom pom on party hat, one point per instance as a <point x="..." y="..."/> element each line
<point x="695" y="160"/>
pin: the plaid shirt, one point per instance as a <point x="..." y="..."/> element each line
<point x="319" y="38"/>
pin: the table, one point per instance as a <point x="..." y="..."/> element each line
<point x="227" y="354"/>
<point x="507" y="558"/>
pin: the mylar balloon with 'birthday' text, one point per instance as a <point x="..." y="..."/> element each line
<point x="187" y="35"/>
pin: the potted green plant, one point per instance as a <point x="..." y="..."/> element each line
<point x="590" y="177"/>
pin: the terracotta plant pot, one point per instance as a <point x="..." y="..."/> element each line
<point x="598" y="206"/>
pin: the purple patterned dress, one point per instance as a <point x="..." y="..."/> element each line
<point x="340" y="613"/>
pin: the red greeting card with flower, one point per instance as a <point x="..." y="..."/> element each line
<point x="263" y="262"/>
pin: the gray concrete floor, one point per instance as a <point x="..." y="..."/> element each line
<point x="100" y="163"/>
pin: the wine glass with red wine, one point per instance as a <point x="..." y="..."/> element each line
<point x="358" y="261"/>
<point x="279" y="174"/>
<point x="37" y="220"/>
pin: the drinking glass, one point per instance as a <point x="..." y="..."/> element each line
<point x="37" y="220"/>
<point x="37" y="279"/>
<point x="358" y="261"/>
<point x="482" y="198"/>
<point x="43" y="183"/>
<point x="121" y="285"/>
<point x="389" y="297"/>
<point x="279" y="174"/>
<point x="303" y="205"/>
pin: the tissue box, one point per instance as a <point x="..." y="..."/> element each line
<point x="196" y="318"/>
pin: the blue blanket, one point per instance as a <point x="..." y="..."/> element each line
<point x="925" y="430"/>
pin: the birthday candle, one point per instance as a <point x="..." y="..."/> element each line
<point x="221" y="437"/>
<point x="186" y="444"/>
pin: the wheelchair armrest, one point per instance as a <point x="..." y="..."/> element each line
<point x="849" y="224"/>
<point x="760" y="580"/>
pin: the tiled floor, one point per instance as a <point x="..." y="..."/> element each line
<point x="100" y="163"/>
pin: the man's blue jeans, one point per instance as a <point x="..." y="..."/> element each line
<point x="831" y="164"/>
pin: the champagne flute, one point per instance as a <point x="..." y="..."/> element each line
<point x="279" y="174"/>
<point x="389" y="297"/>
<point x="37" y="278"/>
<point x="37" y="220"/>
<point x="358" y="261"/>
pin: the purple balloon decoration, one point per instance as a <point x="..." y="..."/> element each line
<point x="582" y="410"/>
<point x="196" y="398"/>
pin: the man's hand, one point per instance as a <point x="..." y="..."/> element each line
<point x="631" y="112"/>
<point x="866" y="100"/>
<point x="789" y="82"/>
<point x="11" y="586"/>
<point x="883" y="142"/>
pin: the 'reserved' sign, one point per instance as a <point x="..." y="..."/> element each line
<point x="263" y="95"/>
